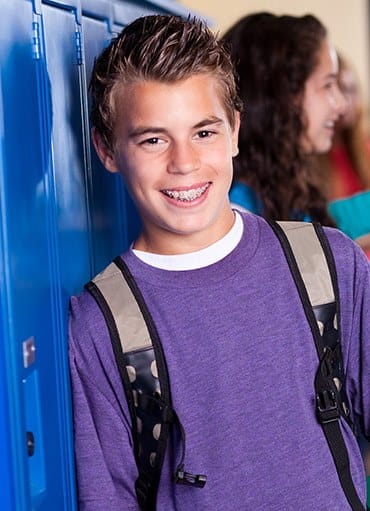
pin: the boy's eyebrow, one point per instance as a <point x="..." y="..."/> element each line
<point x="143" y="130"/>
<point x="209" y="120"/>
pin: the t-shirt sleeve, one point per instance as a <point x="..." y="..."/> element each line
<point x="106" y="469"/>
<point x="353" y="270"/>
<point x="358" y="374"/>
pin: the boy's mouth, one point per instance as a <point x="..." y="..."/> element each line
<point x="187" y="195"/>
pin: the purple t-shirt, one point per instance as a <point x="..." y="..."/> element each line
<point x="241" y="363"/>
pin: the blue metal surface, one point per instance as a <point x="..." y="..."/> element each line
<point x="108" y="233"/>
<point x="68" y="179"/>
<point x="6" y="488"/>
<point x="126" y="12"/>
<point x="36" y="396"/>
<point x="21" y="225"/>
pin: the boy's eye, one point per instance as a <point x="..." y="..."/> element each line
<point x="151" y="141"/>
<point x="204" y="133"/>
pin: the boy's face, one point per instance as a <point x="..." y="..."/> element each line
<point x="174" y="147"/>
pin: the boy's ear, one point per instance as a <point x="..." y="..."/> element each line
<point x="105" y="154"/>
<point x="235" y="134"/>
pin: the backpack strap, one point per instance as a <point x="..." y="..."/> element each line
<point x="144" y="374"/>
<point x="312" y="265"/>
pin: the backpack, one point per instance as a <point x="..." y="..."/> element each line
<point x="142" y="365"/>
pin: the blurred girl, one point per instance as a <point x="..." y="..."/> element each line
<point x="288" y="81"/>
<point x="346" y="168"/>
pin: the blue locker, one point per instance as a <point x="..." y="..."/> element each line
<point x="125" y="12"/>
<point x="63" y="50"/>
<point x="34" y="377"/>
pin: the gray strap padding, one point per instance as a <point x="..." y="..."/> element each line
<point x="130" y="323"/>
<point x="311" y="261"/>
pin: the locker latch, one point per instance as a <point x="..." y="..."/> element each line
<point x="29" y="350"/>
<point x="30" y="443"/>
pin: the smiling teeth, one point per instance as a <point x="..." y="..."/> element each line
<point x="186" y="195"/>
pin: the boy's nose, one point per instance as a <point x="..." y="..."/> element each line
<point x="184" y="159"/>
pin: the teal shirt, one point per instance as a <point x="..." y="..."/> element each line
<point x="352" y="214"/>
<point x="242" y="195"/>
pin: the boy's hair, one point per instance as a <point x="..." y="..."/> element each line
<point x="161" y="48"/>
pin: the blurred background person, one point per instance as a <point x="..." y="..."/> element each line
<point x="346" y="167"/>
<point x="287" y="73"/>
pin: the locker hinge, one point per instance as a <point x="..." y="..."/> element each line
<point x="35" y="40"/>
<point x="79" y="53"/>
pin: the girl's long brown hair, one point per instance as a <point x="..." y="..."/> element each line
<point x="274" y="56"/>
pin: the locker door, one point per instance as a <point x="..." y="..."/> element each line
<point x="127" y="11"/>
<point x="124" y="12"/>
<point x="114" y="219"/>
<point x="70" y="183"/>
<point x="35" y="434"/>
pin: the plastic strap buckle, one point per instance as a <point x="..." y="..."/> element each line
<point x="182" y="477"/>
<point x="327" y="406"/>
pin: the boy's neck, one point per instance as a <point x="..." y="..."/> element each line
<point x="169" y="243"/>
<point x="200" y="258"/>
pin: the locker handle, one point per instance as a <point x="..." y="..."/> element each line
<point x="30" y="443"/>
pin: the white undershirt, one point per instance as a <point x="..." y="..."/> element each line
<point x="200" y="258"/>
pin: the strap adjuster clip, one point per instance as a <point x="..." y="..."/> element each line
<point x="182" y="477"/>
<point x="327" y="406"/>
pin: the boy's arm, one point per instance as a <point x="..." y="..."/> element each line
<point x="106" y="469"/>
<point x="358" y="370"/>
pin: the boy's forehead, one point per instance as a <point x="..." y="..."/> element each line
<point x="129" y="85"/>
<point x="201" y="87"/>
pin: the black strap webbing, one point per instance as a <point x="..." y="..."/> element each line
<point x="149" y="406"/>
<point x="330" y="403"/>
<point x="144" y="374"/>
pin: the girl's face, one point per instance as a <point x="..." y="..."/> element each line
<point x="323" y="103"/>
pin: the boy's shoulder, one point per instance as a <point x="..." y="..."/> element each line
<point x="346" y="252"/>
<point x="348" y="256"/>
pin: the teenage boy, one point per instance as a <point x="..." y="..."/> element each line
<point x="239" y="350"/>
